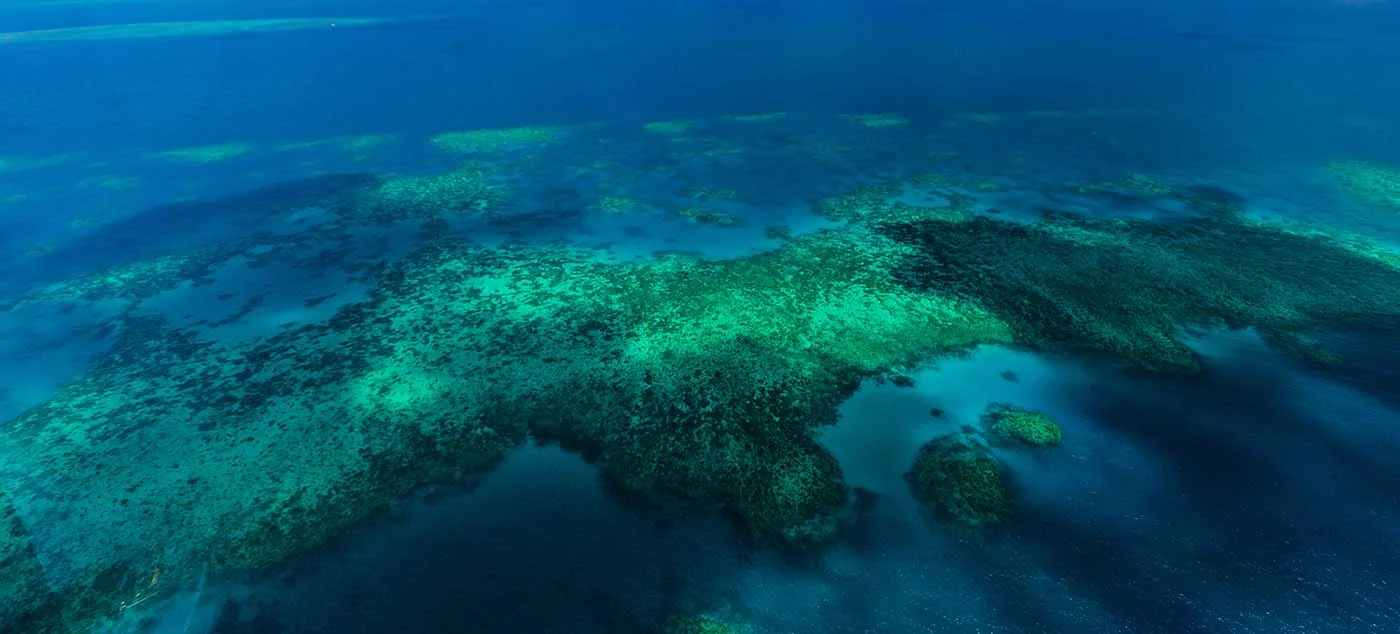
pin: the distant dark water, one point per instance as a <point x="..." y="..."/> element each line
<point x="450" y="68"/>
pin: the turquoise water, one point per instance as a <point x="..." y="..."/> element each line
<point x="612" y="317"/>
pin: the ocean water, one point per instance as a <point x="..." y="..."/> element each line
<point x="554" y="316"/>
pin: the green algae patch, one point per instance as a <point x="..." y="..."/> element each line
<point x="1011" y="424"/>
<point x="960" y="478"/>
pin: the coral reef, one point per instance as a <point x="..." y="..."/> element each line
<point x="471" y="188"/>
<point x="960" y="478"/>
<point x="617" y="205"/>
<point x="701" y="216"/>
<point x="1011" y="424"/>
<point x="1303" y="348"/>
<point x="670" y="128"/>
<point x="1372" y="182"/>
<point x="757" y="118"/>
<point x="701" y="624"/>
<point x="1131" y="286"/>
<point x="880" y="120"/>
<point x="699" y="379"/>
<point x="496" y="140"/>
<point x="679" y="376"/>
<point x="207" y="153"/>
<point x="876" y="203"/>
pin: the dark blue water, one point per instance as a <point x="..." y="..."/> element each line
<point x="1262" y="495"/>
<point x="496" y="65"/>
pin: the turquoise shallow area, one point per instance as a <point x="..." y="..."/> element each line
<point x="356" y="316"/>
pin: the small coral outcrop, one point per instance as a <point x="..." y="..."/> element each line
<point x="1013" y="425"/>
<point x="701" y="624"/>
<point x="961" y="479"/>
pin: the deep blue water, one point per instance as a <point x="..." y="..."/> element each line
<point x="449" y="67"/>
<point x="1261" y="496"/>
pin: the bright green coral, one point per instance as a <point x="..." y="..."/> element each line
<point x="827" y="294"/>
<point x="1009" y="423"/>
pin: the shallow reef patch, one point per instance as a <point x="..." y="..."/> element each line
<point x="959" y="477"/>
